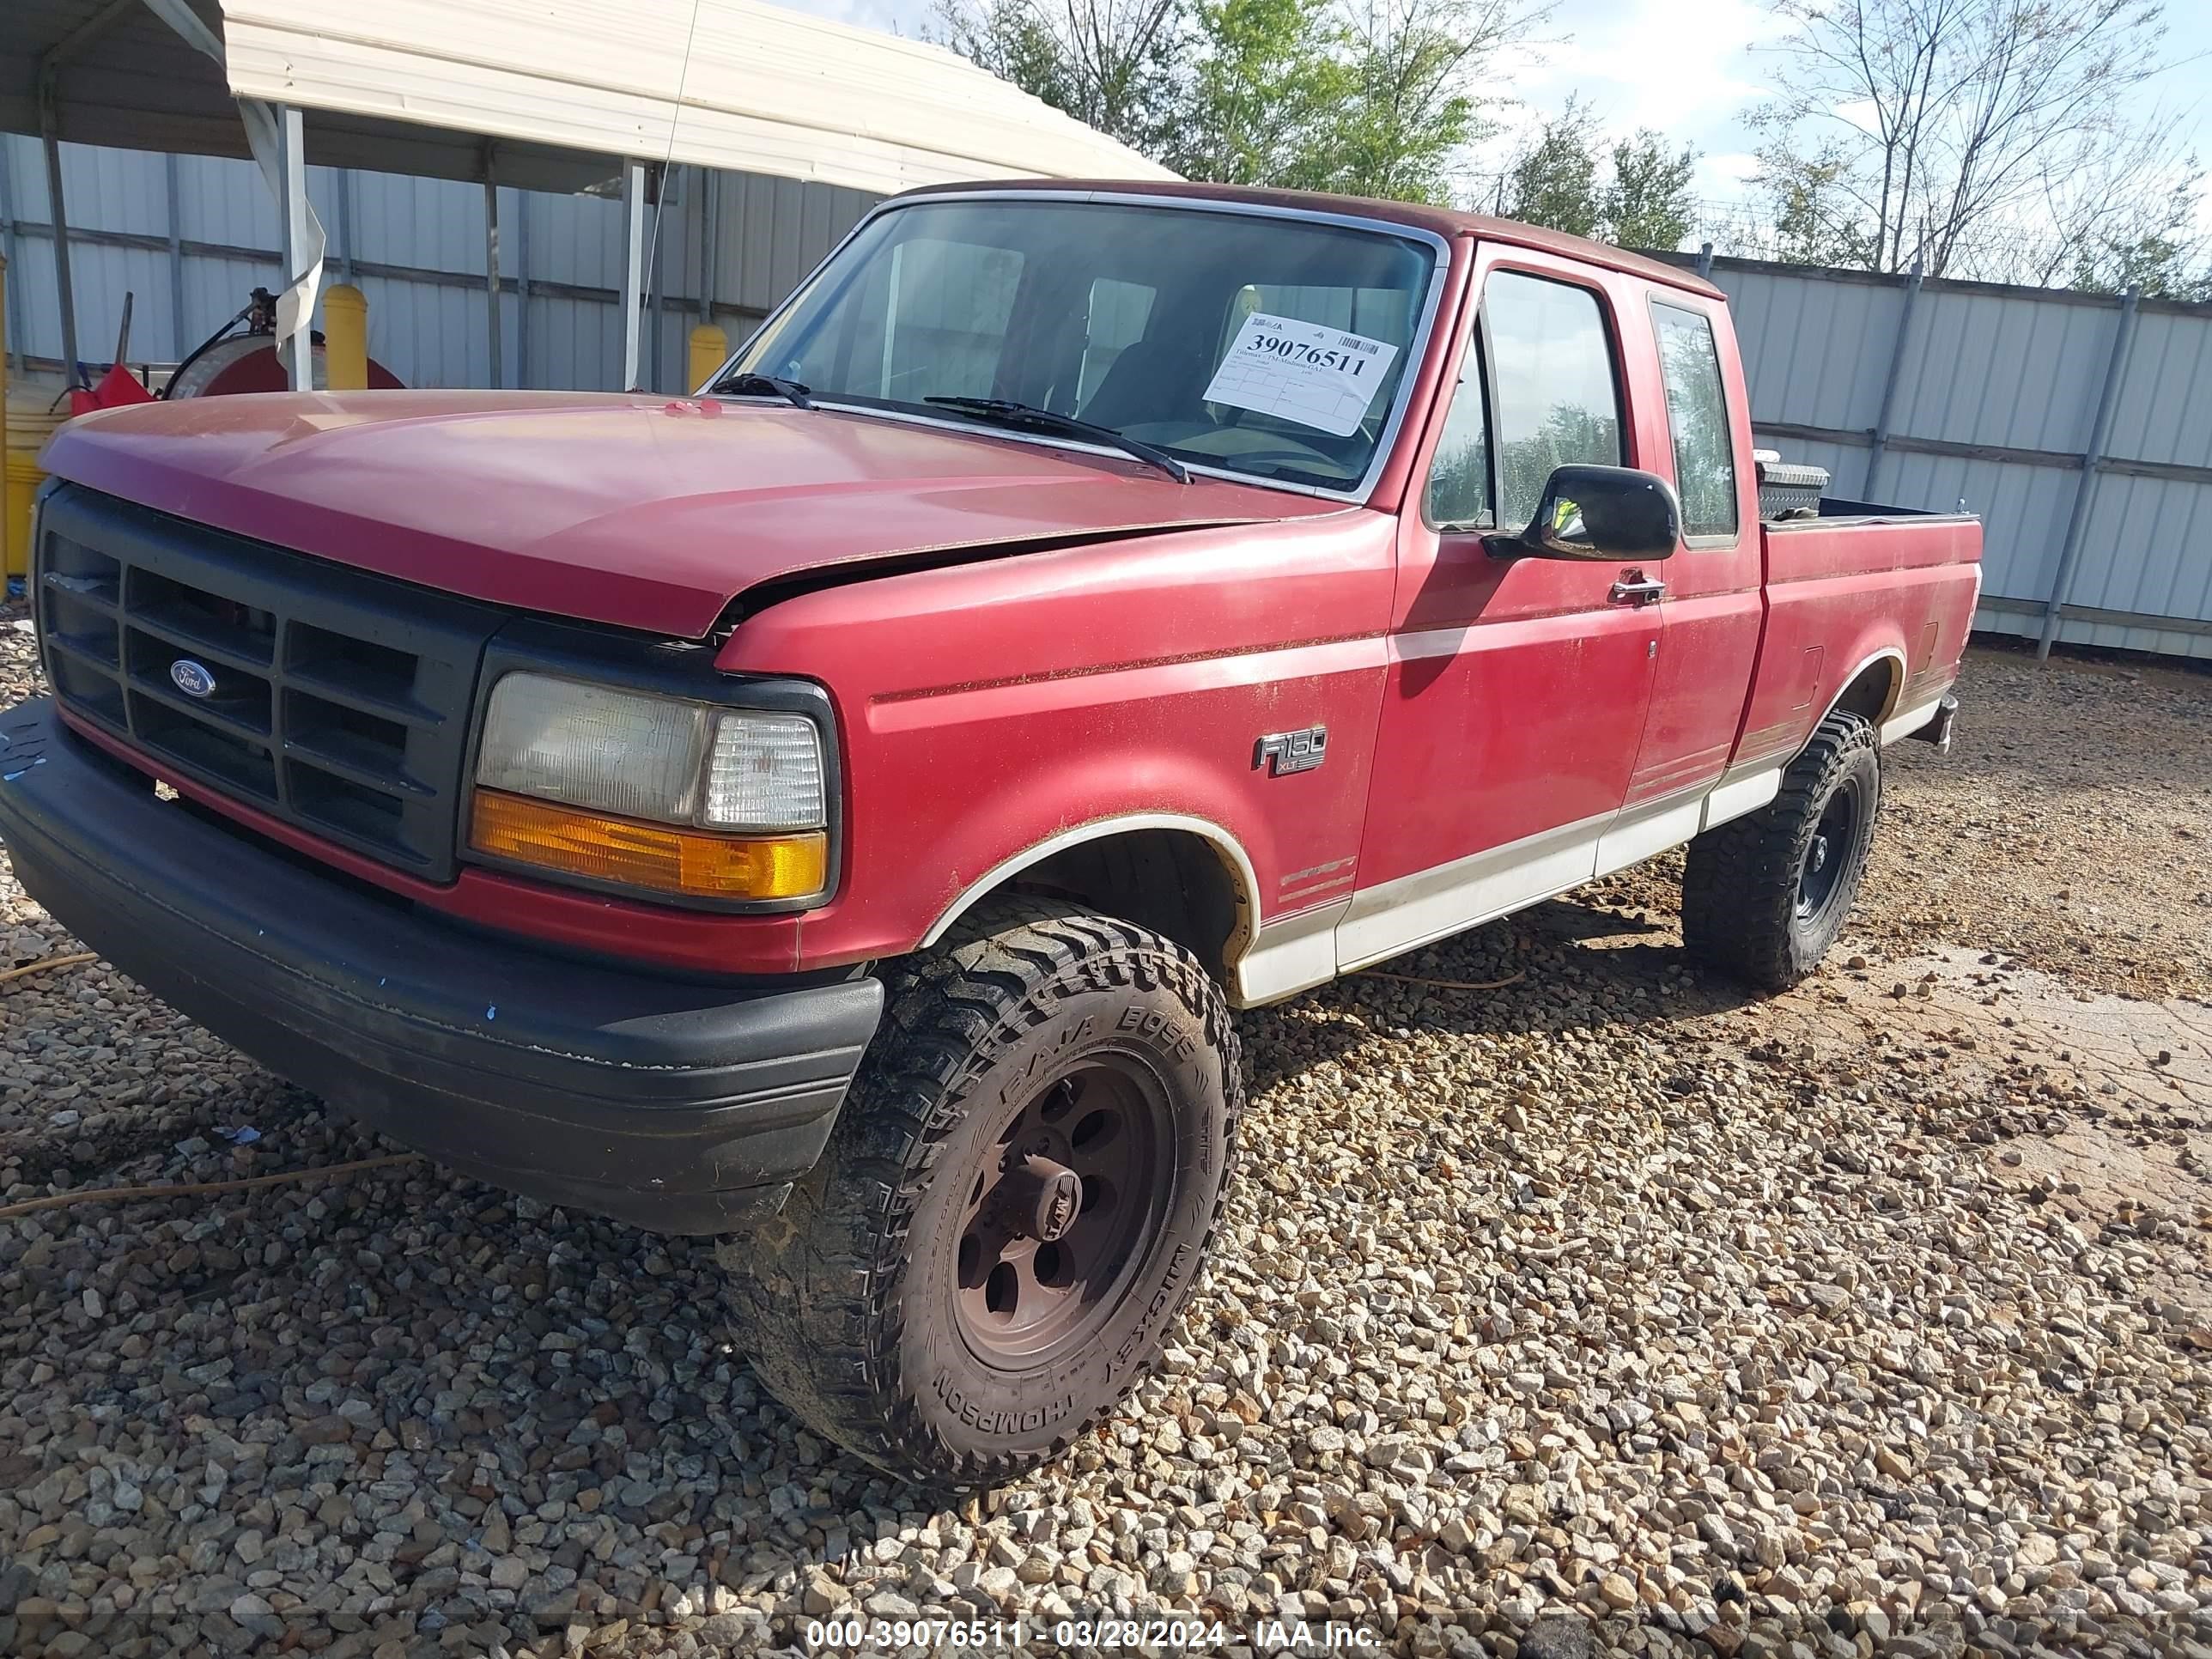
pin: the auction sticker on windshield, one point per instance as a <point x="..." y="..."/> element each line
<point x="1320" y="376"/>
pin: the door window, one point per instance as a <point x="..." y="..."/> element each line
<point x="1459" y="477"/>
<point x="1556" y="397"/>
<point x="1697" y="419"/>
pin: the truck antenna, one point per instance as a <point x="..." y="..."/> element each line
<point x="668" y="157"/>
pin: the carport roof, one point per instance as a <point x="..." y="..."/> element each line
<point x="561" y="87"/>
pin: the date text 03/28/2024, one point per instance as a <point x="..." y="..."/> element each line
<point x="1298" y="1636"/>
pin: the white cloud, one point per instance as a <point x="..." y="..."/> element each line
<point x="905" y="17"/>
<point x="1724" y="176"/>
<point x="1683" y="68"/>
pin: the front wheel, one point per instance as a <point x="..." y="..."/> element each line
<point x="1014" y="1203"/>
<point x="1765" y="895"/>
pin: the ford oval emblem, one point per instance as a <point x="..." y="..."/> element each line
<point x="192" y="679"/>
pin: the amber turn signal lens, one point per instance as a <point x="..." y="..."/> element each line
<point x="649" y="856"/>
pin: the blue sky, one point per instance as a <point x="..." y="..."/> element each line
<point x="1694" y="69"/>
<point x="1685" y="67"/>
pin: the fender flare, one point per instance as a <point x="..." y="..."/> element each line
<point x="1896" y="655"/>
<point x="1244" y="879"/>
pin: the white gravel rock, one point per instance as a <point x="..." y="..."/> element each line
<point x="1604" y="1313"/>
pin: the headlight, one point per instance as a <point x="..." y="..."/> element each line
<point x="651" y="791"/>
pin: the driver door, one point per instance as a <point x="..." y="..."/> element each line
<point x="1518" y="687"/>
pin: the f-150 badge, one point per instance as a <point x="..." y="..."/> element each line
<point x="1284" y="752"/>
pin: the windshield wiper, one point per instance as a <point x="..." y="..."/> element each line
<point x="746" y="384"/>
<point x="1005" y="412"/>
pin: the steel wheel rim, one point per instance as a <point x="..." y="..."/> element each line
<point x="1019" y="1298"/>
<point x="1828" y="854"/>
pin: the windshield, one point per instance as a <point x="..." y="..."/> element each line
<point x="1266" y="346"/>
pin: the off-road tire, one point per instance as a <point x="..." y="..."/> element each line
<point x="1741" y="885"/>
<point x="845" y="1302"/>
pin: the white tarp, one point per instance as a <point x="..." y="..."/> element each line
<point x="767" y="90"/>
<point x="295" y="306"/>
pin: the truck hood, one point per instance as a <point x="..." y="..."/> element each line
<point x="640" y="512"/>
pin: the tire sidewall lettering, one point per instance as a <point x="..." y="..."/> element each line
<point x="1057" y="1020"/>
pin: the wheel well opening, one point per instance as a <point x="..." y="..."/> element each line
<point x="1171" y="881"/>
<point x="1869" y="695"/>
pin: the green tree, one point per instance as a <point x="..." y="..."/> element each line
<point x="2158" y="267"/>
<point x="1554" y="180"/>
<point x="1262" y="99"/>
<point x="1113" y="64"/>
<point x="1368" y="97"/>
<point x="1633" y="193"/>
<point x="2135" y="226"/>
<point x="1810" y="212"/>
<point x="1649" y="204"/>
<point x="1414" y="109"/>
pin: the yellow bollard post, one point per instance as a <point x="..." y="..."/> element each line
<point x="6" y="563"/>
<point x="24" y="429"/>
<point x="15" y="542"/>
<point x="345" y="339"/>
<point x="709" y="346"/>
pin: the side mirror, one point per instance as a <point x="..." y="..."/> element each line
<point x="1601" y="512"/>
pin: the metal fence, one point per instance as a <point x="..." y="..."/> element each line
<point x="2080" y="427"/>
<point x="189" y="236"/>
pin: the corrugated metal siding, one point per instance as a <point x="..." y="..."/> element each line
<point x="2011" y="372"/>
<point x="421" y="241"/>
<point x="2012" y="378"/>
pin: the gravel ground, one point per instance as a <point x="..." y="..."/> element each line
<point x="1609" y="1308"/>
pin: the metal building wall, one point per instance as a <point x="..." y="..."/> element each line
<point x="1994" y="404"/>
<point x="191" y="235"/>
<point x="1990" y="399"/>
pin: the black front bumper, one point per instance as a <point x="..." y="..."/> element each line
<point x="680" y="1106"/>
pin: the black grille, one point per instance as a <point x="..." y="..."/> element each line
<point x="339" y="701"/>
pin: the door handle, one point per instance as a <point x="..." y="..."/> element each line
<point x="1637" y="588"/>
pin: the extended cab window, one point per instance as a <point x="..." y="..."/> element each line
<point x="1553" y="386"/>
<point x="1697" y="419"/>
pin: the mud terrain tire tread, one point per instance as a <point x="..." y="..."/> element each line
<point x="1740" y="878"/>
<point x="816" y="1294"/>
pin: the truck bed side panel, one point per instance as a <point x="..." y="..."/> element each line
<point x="1845" y="594"/>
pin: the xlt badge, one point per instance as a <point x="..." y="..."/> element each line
<point x="1283" y="752"/>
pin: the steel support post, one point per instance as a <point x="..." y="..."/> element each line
<point x="1889" y="385"/>
<point x="633" y="269"/>
<point x="2085" y="487"/>
<point x="298" y="352"/>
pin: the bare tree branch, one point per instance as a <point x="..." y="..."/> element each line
<point x="1931" y="131"/>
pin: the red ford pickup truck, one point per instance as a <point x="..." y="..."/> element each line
<point x="841" y="809"/>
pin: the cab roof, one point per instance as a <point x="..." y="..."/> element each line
<point x="1447" y="223"/>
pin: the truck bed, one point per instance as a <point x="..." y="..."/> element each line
<point x="1835" y="510"/>
<point x="1845" y="591"/>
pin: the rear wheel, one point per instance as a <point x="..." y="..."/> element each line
<point x="1765" y="896"/>
<point x="1014" y="1203"/>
